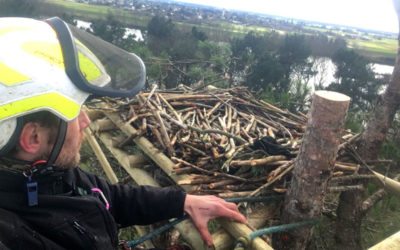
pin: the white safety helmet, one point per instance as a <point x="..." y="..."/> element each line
<point x="49" y="65"/>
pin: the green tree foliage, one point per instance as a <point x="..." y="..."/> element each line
<point x="293" y="53"/>
<point x="323" y="46"/>
<point x="160" y="27"/>
<point x="193" y="61"/>
<point x="266" y="73"/>
<point x="355" y="78"/>
<point x="114" y="31"/>
<point x="161" y="35"/>
<point x="19" y="8"/>
<point x="69" y="19"/>
<point x="199" y="35"/>
<point x="216" y="54"/>
<point x="246" y="54"/>
<point x="185" y="57"/>
<point x="110" y="29"/>
<point x="269" y="63"/>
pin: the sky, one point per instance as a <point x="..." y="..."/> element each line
<point x="369" y="14"/>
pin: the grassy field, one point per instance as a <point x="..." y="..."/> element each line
<point x="377" y="49"/>
<point x="384" y="49"/>
<point x="90" y="12"/>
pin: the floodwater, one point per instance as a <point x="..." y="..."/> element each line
<point x="326" y="70"/>
<point x="128" y="31"/>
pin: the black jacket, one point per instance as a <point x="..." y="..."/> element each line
<point x="70" y="216"/>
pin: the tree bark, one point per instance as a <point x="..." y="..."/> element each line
<point x="313" y="167"/>
<point x="349" y="210"/>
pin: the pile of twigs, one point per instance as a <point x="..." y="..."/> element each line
<point x="230" y="144"/>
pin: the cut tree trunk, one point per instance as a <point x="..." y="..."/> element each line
<point x="313" y="167"/>
<point x="350" y="205"/>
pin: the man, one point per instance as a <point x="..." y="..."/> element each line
<point x="47" y="71"/>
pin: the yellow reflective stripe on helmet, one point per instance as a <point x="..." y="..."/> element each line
<point x="53" y="101"/>
<point x="88" y="68"/>
<point x="50" y="52"/>
<point x="8" y="76"/>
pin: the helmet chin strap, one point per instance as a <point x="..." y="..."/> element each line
<point x="55" y="152"/>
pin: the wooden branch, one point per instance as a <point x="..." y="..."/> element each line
<point x="209" y="172"/>
<point x="388" y="184"/>
<point x="150" y="95"/>
<point x="270" y="182"/>
<point x="221" y="183"/>
<point x="152" y="152"/>
<point x="126" y="141"/>
<point x="374" y="162"/>
<point x="232" y="149"/>
<point x="101" y="125"/>
<point x="194" y="149"/>
<point x="206" y="131"/>
<point x="164" y="134"/>
<point x="352" y="177"/>
<point x="272" y="175"/>
<point x="240" y="230"/>
<point x="93" y="114"/>
<point x="352" y="140"/>
<point x="183" y="170"/>
<point x="375" y="198"/>
<point x="353" y="168"/>
<point x="345" y="188"/>
<point x="137" y="161"/>
<point x="215" y="152"/>
<point x="100" y="156"/>
<point x="157" y="134"/>
<point x="196" y="181"/>
<point x="372" y="200"/>
<point x="170" y="107"/>
<point x="211" y="111"/>
<point x="256" y="162"/>
<point x="128" y="162"/>
<point x="240" y="187"/>
<point x="234" y="194"/>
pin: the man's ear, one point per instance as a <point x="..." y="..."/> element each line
<point x="30" y="138"/>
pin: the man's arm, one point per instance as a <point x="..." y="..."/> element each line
<point x="204" y="208"/>
<point x="135" y="205"/>
<point x="145" y="205"/>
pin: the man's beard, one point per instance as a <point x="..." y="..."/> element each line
<point x="69" y="156"/>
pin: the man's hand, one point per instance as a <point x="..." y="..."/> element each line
<point x="204" y="208"/>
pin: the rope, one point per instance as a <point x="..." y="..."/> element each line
<point x="281" y="228"/>
<point x="242" y="244"/>
<point x="150" y="235"/>
<point x="161" y="229"/>
<point x="255" y="199"/>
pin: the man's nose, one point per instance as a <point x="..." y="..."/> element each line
<point x="84" y="120"/>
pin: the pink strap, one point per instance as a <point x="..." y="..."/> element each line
<point x="102" y="196"/>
